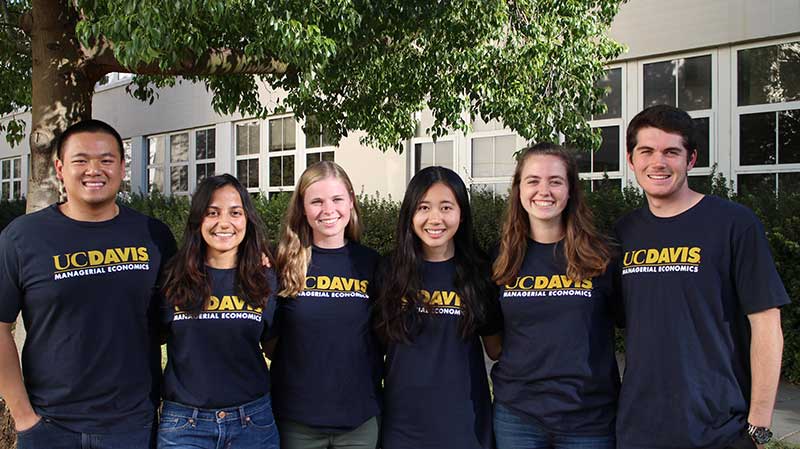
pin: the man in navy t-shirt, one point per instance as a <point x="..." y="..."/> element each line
<point x="702" y="298"/>
<point x="83" y="273"/>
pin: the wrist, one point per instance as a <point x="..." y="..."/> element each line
<point x="759" y="434"/>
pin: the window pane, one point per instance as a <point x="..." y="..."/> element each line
<point x="241" y="139"/>
<point x="504" y="162"/>
<point x="694" y="83"/>
<point x="700" y="184"/>
<point x="16" y="163"/>
<point x="756" y="184"/>
<point x="312" y="133"/>
<point x="701" y="126"/>
<point x="769" y="74"/>
<point x="659" y="83"/>
<point x="613" y="98"/>
<point x="241" y="172"/>
<point x="423" y="153"/>
<point x="179" y="178"/>
<point x="757" y="138"/>
<point x="274" y="171"/>
<point x="788" y="182"/>
<point x="328" y="156"/>
<point x="252" y="173"/>
<point x="288" y="133"/>
<point x="204" y="171"/>
<point x="179" y="147"/>
<point x="789" y="137"/>
<point x="155" y="179"/>
<point x="482" y="157"/>
<point x="205" y="143"/>
<point x="288" y="170"/>
<point x="312" y="158"/>
<point x="155" y="150"/>
<point x="200" y="145"/>
<point x="606" y="159"/>
<point x="211" y="143"/>
<point x="584" y="160"/>
<point x="18" y="189"/>
<point x="6" y="190"/>
<point x="444" y="154"/>
<point x="6" y="169"/>
<point x="253" y="138"/>
<point x="275" y="135"/>
<point x="247" y="141"/>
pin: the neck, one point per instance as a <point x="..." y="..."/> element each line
<point x="88" y="213"/>
<point x="675" y="204"/>
<point x="547" y="231"/>
<point x="332" y="242"/>
<point x="221" y="260"/>
<point x="439" y="253"/>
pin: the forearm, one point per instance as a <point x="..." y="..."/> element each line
<point x="766" y="349"/>
<point x="11" y="387"/>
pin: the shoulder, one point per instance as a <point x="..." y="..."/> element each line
<point x="722" y="209"/>
<point x="29" y="223"/>
<point x="361" y="252"/>
<point x="157" y="228"/>
<point x="631" y="219"/>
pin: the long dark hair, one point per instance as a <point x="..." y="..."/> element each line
<point x="396" y="308"/>
<point x="187" y="285"/>
<point x="586" y="250"/>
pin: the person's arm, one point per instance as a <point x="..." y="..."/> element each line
<point x="268" y="347"/>
<point x="766" y="349"/>
<point x="11" y="387"/>
<point x="493" y="345"/>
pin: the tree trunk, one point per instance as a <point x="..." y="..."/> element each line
<point x="62" y="88"/>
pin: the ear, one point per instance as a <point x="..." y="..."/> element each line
<point x="629" y="159"/>
<point x="692" y="160"/>
<point x="59" y="169"/>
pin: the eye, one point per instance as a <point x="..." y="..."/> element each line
<point x="79" y="161"/>
<point x="212" y="213"/>
<point x="532" y="182"/>
<point x="108" y="161"/>
<point x="316" y="202"/>
<point x="556" y="182"/>
<point x="447" y="207"/>
<point x="237" y="213"/>
<point x="423" y="207"/>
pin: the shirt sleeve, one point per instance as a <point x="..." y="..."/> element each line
<point x="10" y="289"/>
<point x="758" y="285"/>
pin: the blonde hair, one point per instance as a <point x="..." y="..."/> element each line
<point x="294" y="249"/>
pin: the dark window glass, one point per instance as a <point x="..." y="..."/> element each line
<point x="312" y="158"/>
<point x="700" y="184"/>
<point x="247" y="172"/>
<point x="606" y="159"/>
<point x="769" y="74"/>
<point x="274" y="171"/>
<point x="584" y="160"/>
<point x="205" y="144"/>
<point x="755" y="184"/>
<point x="288" y="170"/>
<point x="659" y="83"/>
<point x="757" y="138"/>
<point x="788" y="182"/>
<point x="701" y="126"/>
<point x="789" y="137"/>
<point x="694" y="83"/>
<point x="179" y="178"/>
<point x="204" y="171"/>
<point x="328" y="156"/>
<point x="612" y="82"/>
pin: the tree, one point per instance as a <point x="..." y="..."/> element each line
<point x="353" y="64"/>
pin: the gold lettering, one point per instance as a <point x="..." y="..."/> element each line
<point x="95" y="257"/>
<point x="323" y="282"/>
<point x="663" y="256"/>
<point x="336" y="284"/>
<point x="636" y="255"/>
<point x="694" y="255"/>
<point x="123" y="253"/>
<point x="143" y="256"/>
<point x="313" y="280"/>
<point x="555" y="282"/>
<point x="540" y="282"/>
<point x="111" y="256"/>
<point x="226" y="303"/>
<point x="567" y="282"/>
<point x="57" y="263"/>
<point x="652" y="256"/>
<point x="213" y="303"/>
<point x="74" y="259"/>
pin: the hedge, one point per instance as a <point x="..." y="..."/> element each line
<point x="779" y="214"/>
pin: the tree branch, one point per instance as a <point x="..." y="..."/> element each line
<point x="214" y="62"/>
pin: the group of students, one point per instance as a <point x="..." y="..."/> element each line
<point x="388" y="352"/>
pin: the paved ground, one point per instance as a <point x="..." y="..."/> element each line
<point x="786" y="420"/>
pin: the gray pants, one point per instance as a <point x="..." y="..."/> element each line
<point x="299" y="436"/>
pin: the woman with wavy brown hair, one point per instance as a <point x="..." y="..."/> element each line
<point x="326" y="365"/>
<point x="556" y="381"/>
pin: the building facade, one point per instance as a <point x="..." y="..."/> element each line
<point x="733" y="64"/>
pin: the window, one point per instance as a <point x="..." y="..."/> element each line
<point x="248" y="147"/>
<point x="179" y="163"/>
<point x="281" y="153"/>
<point x="768" y="118"/>
<point x="156" y="149"/>
<point x="313" y="158"/>
<point x="127" y="154"/>
<point x="428" y="154"/>
<point x="494" y="156"/>
<point x="316" y="140"/>
<point x="602" y="168"/>
<point x="204" y="153"/>
<point x="11" y="178"/>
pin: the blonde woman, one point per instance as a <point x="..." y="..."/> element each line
<point x="326" y="364"/>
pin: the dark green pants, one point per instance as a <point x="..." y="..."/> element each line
<point x="299" y="436"/>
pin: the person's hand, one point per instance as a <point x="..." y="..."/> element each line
<point x="265" y="261"/>
<point x="26" y="421"/>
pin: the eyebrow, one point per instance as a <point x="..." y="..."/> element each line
<point x="102" y="155"/>
<point x="646" y="147"/>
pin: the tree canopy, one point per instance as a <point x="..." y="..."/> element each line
<point x="352" y="64"/>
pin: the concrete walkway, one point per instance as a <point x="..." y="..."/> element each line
<point x="786" y="420"/>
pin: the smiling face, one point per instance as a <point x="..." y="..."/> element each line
<point x="327" y="205"/>
<point x="436" y="221"/>
<point x="91" y="168"/>
<point x="544" y="190"/>
<point x="661" y="163"/>
<point x="223" y="228"/>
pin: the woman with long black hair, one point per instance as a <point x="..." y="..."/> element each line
<point x="435" y="299"/>
<point x="218" y="310"/>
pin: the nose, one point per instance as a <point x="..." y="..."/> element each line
<point x="327" y="206"/>
<point x="93" y="166"/>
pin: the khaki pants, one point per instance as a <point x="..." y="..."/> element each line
<point x="299" y="436"/>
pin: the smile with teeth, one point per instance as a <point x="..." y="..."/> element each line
<point x="94" y="184"/>
<point x="544" y="203"/>
<point x="435" y="232"/>
<point x="222" y="234"/>
<point x="329" y="221"/>
<point x="660" y="177"/>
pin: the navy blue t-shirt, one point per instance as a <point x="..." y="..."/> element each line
<point x="436" y="389"/>
<point x="326" y="367"/>
<point x="688" y="283"/>
<point x="89" y="300"/>
<point x="558" y="367"/>
<point x="215" y="358"/>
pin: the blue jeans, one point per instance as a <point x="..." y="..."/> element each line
<point x="46" y="434"/>
<point x="513" y="432"/>
<point x="247" y="426"/>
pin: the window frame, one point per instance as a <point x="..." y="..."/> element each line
<point x="620" y="122"/>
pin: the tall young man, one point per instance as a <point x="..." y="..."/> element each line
<point x="83" y="273"/>
<point x="702" y="298"/>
